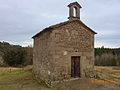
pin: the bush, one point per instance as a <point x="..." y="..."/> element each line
<point x="15" y="56"/>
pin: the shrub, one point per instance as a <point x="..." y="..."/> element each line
<point x="15" y="56"/>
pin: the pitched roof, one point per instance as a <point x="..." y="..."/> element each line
<point x="64" y="23"/>
<point x="74" y="4"/>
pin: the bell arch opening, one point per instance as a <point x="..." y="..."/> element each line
<point x="75" y="12"/>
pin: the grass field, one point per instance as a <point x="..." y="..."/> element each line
<point x="24" y="79"/>
<point x="19" y="79"/>
<point x="110" y="74"/>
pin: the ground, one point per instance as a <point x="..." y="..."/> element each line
<point x="18" y="79"/>
<point x="107" y="78"/>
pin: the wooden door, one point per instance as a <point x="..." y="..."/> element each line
<point x="75" y="66"/>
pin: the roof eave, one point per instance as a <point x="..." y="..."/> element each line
<point x="42" y="32"/>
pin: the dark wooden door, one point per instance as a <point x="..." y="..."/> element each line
<point x="75" y="66"/>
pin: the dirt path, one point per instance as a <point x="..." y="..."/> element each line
<point x="107" y="86"/>
<point x="86" y="84"/>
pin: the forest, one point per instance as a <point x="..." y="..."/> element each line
<point x="16" y="55"/>
<point x="107" y="56"/>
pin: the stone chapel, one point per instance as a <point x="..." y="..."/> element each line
<point x="64" y="50"/>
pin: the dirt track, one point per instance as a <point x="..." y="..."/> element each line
<point x="85" y="84"/>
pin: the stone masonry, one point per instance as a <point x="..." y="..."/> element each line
<point x="55" y="45"/>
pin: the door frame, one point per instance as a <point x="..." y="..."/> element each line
<point x="75" y="66"/>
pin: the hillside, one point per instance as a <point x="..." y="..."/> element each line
<point x="15" y="55"/>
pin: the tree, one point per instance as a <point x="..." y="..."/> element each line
<point x="15" y="56"/>
<point x="107" y="56"/>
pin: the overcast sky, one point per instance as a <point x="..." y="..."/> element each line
<point x="21" y="19"/>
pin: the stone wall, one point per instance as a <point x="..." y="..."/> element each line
<point x="53" y="50"/>
<point x="72" y="40"/>
<point x="42" y="57"/>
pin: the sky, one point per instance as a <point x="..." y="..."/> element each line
<point x="21" y="19"/>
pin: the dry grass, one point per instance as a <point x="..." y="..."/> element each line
<point x="24" y="79"/>
<point x="19" y="79"/>
<point x="111" y="74"/>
